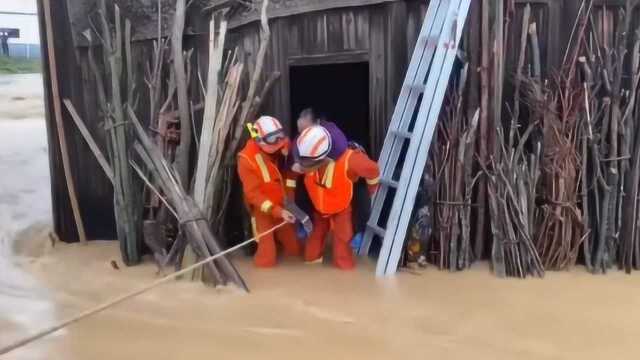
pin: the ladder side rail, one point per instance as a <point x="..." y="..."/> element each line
<point x="427" y="118"/>
<point x="432" y="29"/>
<point x="432" y="76"/>
<point x="416" y="72"/>
<point x="427" y="138"/>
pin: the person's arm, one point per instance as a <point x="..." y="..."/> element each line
<point x="290" y="183"/>
<point x="361" y="166"/>
<point x="290" y="172"/>
<point x="250" y="179"/>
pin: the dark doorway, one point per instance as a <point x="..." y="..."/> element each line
<point x="338" y="91"/>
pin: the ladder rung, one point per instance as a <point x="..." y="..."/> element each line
<point x="377" y="229"/>
<point x="389" y="182"/>
<point x="400" y="133"/>
<point x="417" y="87"/>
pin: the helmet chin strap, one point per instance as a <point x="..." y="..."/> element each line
<point x="314" y="166"/>
<point x="270" y="149"/>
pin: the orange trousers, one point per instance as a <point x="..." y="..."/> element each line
<point x="266" y="256"/>
<point x="341" y="226"/>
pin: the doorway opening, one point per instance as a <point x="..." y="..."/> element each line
<point x="339" y="92"/>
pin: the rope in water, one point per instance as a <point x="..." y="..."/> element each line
<point x="132" y="294"/>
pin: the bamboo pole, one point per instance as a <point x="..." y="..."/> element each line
<point x="125" y="195"/>
<point x="184" y="148"/>
<point x="498" y="70"/>
<point x="214" y="203"/>
<point x="57" y="108"/>
<point x="265" y="35"/>
<point x="518" y="80"/>
<point x="469" y="180"/>
<point x="207" y="141"/>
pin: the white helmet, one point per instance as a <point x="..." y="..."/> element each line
<point x="314" y="143"/>
<point x="267" y="125"/>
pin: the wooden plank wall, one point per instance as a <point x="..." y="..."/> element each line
<point x="94" y="190"/>
<point x="383" y="34"/>
<point x="377" y="34"/>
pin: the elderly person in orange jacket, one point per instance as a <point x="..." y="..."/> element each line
<point x="259" y="164"/>
<point x="330" y="186"/>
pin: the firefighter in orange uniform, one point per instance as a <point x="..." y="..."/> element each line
<point x="263" y="187"/>
<point x="330" y="187"/>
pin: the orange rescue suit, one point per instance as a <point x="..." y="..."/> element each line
<point x="264" y="194"/>
<point x="331" y="188"/>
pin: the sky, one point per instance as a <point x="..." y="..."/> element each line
<point x="28" y="25"/>
<point x="18" y="5"/>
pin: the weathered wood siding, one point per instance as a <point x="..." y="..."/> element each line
<point x="382" y="32"/>
<point x="378" y="34"/>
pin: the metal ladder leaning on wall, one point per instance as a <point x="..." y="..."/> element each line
<point x="411" y="128"/>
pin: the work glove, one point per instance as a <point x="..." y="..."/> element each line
<point x="301" y="233"/>
<point x="356" y="242"/>
<point x="301" y="217"/>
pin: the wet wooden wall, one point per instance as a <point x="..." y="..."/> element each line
<point x="383" y="34"/>
<point x="377" y="34"/>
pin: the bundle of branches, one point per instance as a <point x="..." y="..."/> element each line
<point x="512" y="193"/>
<point x="117" y="63"/>
<point x="513" y="179"/>
<point x="452" y="159"/>
<point x="194" y="225"/>
<point x="611" y="139"/>
<point x="557" y="106"/>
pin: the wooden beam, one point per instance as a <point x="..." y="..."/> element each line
<point x="57" y="108"/>
<point x="104" y="164"/>
<point x="331" y="58"/>
<point x="302" y="7"/>
<point x="535" y="1"/>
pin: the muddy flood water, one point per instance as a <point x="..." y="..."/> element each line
<point x="294" y="311"/>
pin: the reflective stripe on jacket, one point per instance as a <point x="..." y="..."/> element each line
<point x="262" y="182"/>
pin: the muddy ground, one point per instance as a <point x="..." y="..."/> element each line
<point x="294" y="311"/>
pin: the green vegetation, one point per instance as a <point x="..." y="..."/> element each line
<point x="19" y="66"/>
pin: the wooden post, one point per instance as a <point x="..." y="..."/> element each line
<point x="480" y="225"/>
<point x="57" y="108"/>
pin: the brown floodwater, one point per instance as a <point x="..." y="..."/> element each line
<point x="297" y="311"/>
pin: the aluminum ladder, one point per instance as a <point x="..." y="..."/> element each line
<point x="411" y="129"/>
